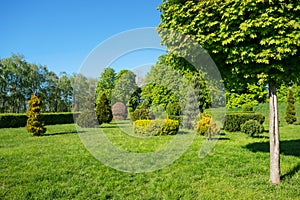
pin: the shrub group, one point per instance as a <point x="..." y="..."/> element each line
<point x="233" y="121"/>
<point x="252" y="127"/>
<point x="156" y="127"/>
<point x="34" y="123"/>
<point x="87" y="119"/>
<point x="141" y="114"/>
<point x="119" y="111"/>
<point x="207" y="126"/>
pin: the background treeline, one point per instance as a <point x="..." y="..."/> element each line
<point x="20" y="79"/>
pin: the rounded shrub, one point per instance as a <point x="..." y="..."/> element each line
<point x="119" y="111"/>
<point x="140" y="114"/>
<point x="252" y="127"/>
<point x="87" y="119"/>
<point x="247" y="107"/>
<point x="207" y="126"/>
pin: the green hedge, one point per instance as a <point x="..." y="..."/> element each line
<point x="233" y="121"/>
<point x="156" y="127"/>
<point x="11" y="120"/>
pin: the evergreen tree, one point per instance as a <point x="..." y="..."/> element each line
<point x="191" y="110"/>
<point x="103" y="110"/>
<point x="34" y="124"/>
<point x="290" y="109"/>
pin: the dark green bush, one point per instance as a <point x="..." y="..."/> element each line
<point x="11" y="120"/>
<point x="233" y="121"/>
<point x="87" y="119"/>
<point x="156" y="127"/>
<point x="252" y="127"/>
<point x="140" y="114"/>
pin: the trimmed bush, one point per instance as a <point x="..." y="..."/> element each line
<point x="156" y="127"/>
<point x="207" y="126"/>
<point x="141" y="114"/>
<point x="252" y="127"/>
<point x="247" y="107"/>
<point x="87" y="119"/>
<point x="233" y="121"/>
<point x="12" y="120"/>
<point x="119" y="111"/>
<point x="103" y="110"/>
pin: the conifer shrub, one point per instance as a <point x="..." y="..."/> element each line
<point x="207" y="126"/>
<point x="103" y="110"/>
<point x="34" y="123"/>
<point x="87" y="119"/>
<point x="290" y="109"/>
<point x="156" y="127"/>
<point x="119" y="111"/>
<point x="252" y="127"/>
<point x="174" y="112"/>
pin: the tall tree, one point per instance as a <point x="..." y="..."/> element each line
<point x="124" y="87"/>
<point x="249" y="40"/>
<point x="106" y="83"/>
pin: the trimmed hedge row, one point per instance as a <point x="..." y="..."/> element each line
<point x="156" y="127"/>
<point x="19" y="120"/>
<point x="233" y="121"/>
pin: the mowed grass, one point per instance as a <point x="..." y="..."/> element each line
<point x="58" y="166"/>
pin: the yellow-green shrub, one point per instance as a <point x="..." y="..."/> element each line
<point x="156" y="127"/>
<point x="207" y="126"/>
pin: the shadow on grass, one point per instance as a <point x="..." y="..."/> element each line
<point x="64" y="133"/>
<point x="287" y="147"/>
<point x="292" y="172"/>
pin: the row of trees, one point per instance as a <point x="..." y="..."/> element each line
<point x="20" y="79"/>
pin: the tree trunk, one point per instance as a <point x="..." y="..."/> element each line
<point x="274" y="137"/>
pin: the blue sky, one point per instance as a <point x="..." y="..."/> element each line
<point x="61" y="33"/>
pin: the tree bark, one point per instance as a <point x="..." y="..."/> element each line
<point x="274" y="137"/>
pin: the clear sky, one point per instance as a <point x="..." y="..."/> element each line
<point x="61" y="33"/>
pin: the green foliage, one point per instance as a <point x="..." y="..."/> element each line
<point x="119" y="111"/>
<point x="142" y="114"/>
<point x="245" y="38"/>
<point x="106" y="83"/>
<point x="207" y="126"/>
<point x="124" y="87"/>
<point x="103" y="110"/>
<point x="134" y="100"/>
<point x="87" y="119"/>
<point x="247" y="107"/>
<point x="156" y="127"/>
<point x="34" y="123"/>
<point x="174" y="111"/>
<point x="233" y="121"/>
<point x="290" y="109"/>
<point x="252" y="127"/>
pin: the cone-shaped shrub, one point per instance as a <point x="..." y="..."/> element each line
<point x="290" y="109"/>
<point x="34" y="123"/>
<point x="103" y="110"/>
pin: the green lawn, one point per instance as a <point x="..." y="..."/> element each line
<point x="58" y="166"/>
